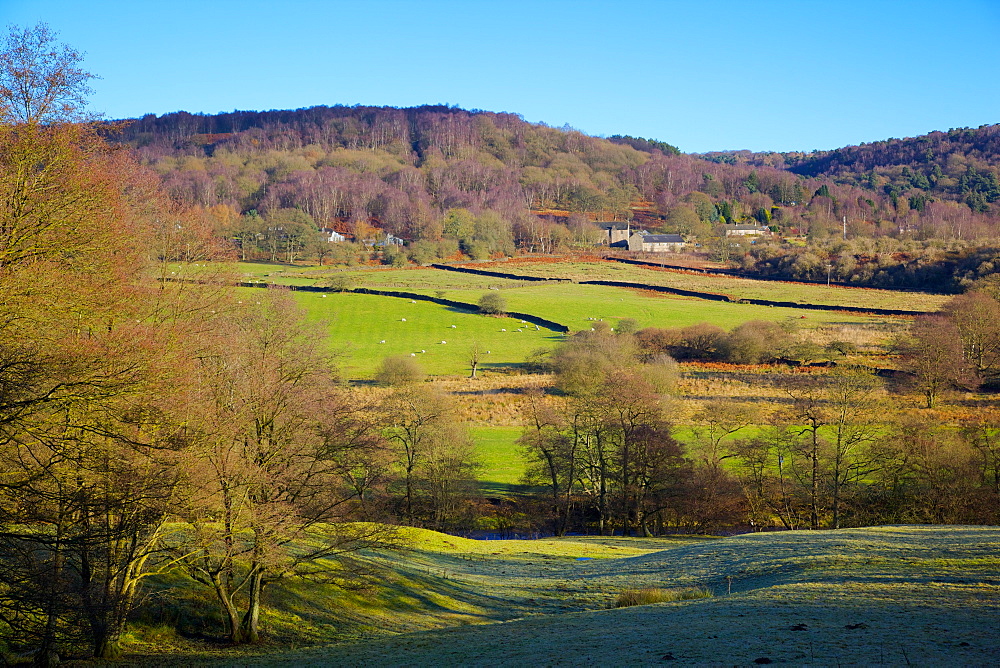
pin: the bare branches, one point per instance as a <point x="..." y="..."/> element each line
<point x="41" y="80"/>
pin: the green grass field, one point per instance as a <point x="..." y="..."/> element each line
<point x="357" y="324"/>
<point x="503" y="462"/>
<point x="736" y="288"/>
<point x="578" y="305"/>
<point x="421" y="278"/>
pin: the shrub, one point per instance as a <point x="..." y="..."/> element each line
<point x="398" y="370"/>
<point x="754" y="342"/>
<point x="627" y="326"/>
<point x="650" y="595"/>
<point x="700" y="341"/>
<point x="492" y="303"/>
<point x="655" y="340"/>
<point x="662" y="373"/>
<point x="341" y="283"/>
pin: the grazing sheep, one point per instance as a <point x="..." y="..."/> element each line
<point x="503" y="330"/>
<point x="453" y="327"/>
<point x="413" y="354"/>
<point x="382" y="341"/>
<point x="444" y="342"/>
<point x="402" y="319"/>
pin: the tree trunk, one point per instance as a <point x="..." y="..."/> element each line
<point x="251" y="620"/>
<point x="814" y="483"/>
<point x="233" y="626"/>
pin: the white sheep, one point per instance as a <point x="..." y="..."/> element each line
<point x="444" y="342"/>
<point x="503" y="330"/>
<point x="402" y="319"/>
<point x="382" y="341"/>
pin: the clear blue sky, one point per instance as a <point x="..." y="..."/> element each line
<point x="703" y="75"/>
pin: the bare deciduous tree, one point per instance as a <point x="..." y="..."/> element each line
<point x="41" y="80"/>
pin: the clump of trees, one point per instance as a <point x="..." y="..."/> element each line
<point x="752" y="342"/>
<point x="938" y="263"/>
<point x="839" y="449"/>
<point x="956" y="348"/>
<point x="606" y="454"/>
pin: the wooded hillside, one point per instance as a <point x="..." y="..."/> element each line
<point x="407" y="171"/>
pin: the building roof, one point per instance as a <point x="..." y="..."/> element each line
<point x="662" y="239"/>
<point x="759" y="228"/>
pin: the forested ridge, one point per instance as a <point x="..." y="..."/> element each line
<point x="407" y="167"/>
<point x="900" y="213"/>
<point x="958" y="165"/>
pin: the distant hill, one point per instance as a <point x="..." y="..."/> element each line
<point x="437" y="172"/>
<point x="960" y="165"/>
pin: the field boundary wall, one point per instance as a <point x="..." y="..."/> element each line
<point x="753" y="277"/>
<point x="711" y="296"/>
<point x="757" y="302"/>
<point x="464" y="306"/>
<point x="500" y="274"/>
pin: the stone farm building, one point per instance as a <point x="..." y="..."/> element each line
<point x="746" y="230"/>
<point x="656" y="243"/>
<point x="616" y="234"/>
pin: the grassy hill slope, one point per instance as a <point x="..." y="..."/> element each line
<point x="896" y="595"/>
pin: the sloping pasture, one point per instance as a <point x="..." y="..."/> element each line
<point x="357" y="325"/>
<point x="735" y="287"/>
<point x="904" y="595"/>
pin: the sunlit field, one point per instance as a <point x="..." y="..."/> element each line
<point x="884" y="595"/>
<point x="365" y="329"/>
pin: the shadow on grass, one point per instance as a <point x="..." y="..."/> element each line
<point x="505" y="489"/>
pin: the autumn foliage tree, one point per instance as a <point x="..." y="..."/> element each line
<point x="273" y="461"/>
<point x="88" y="470"/>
